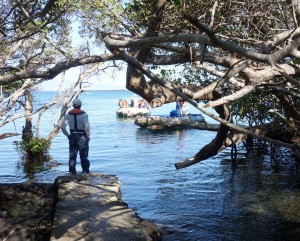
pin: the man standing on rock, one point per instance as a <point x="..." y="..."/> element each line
<point x="79" y="137"/>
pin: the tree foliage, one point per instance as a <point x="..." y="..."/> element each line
<point x="33" y="149"/>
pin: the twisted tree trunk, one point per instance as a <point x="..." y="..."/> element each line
<point x="27" y="130"/>
<point x="217" y="144"/>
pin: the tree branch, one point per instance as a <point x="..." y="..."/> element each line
<point x="236" y="95"/>
<point x="50" y="73"/>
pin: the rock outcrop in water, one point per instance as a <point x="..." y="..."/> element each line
<point x="162" y="123"/>
<point x="88" y="206"/>
<point x="27" y="211"/>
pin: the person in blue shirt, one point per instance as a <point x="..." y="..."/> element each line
<point x="182" y="109"/>
<point x="179" y="108"/>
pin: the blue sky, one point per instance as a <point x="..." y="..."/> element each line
<point x="105" y="81"/>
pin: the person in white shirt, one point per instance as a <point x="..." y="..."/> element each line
<point x="79" y="137"/>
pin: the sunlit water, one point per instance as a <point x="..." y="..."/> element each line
<point x="207" y="201"/>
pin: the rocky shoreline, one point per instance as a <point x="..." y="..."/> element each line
<point x="27" y="211"/>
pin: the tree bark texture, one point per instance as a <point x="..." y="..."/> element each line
<point x="27" y="130"/>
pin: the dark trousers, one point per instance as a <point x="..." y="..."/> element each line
<point x="78" y="142"/>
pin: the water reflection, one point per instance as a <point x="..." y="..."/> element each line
<point x="247" y="202"/>
<point x="32" y="167"/>
<point x="161" y="136"/>
<point x="181" y="137"/>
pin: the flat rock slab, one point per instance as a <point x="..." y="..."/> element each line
<point x="90" y="208"/>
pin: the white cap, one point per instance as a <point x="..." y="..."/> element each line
<point x="76" y="103"/>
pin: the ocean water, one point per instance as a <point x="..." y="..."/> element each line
<point x="212" y="200"/>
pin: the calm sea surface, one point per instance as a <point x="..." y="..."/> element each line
<point x="207" y="201"/>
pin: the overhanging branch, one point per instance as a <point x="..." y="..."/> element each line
<point x="57" y="69"/>
<point x="132" y="61"/>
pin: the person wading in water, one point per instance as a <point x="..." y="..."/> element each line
<point x="79" y="137"/>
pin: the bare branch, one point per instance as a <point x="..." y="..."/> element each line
<point x="236" y="95"/>
<point x="57" y="69"/>
<point x="67" y="103"/>
<point x="232" y="72"/>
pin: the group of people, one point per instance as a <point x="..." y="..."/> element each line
<point x="182" y="109"/>
<point x="79" y="129"/>
<point x="134" y="103"/>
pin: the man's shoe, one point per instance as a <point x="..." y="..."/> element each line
<point x="86" y="172"/>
